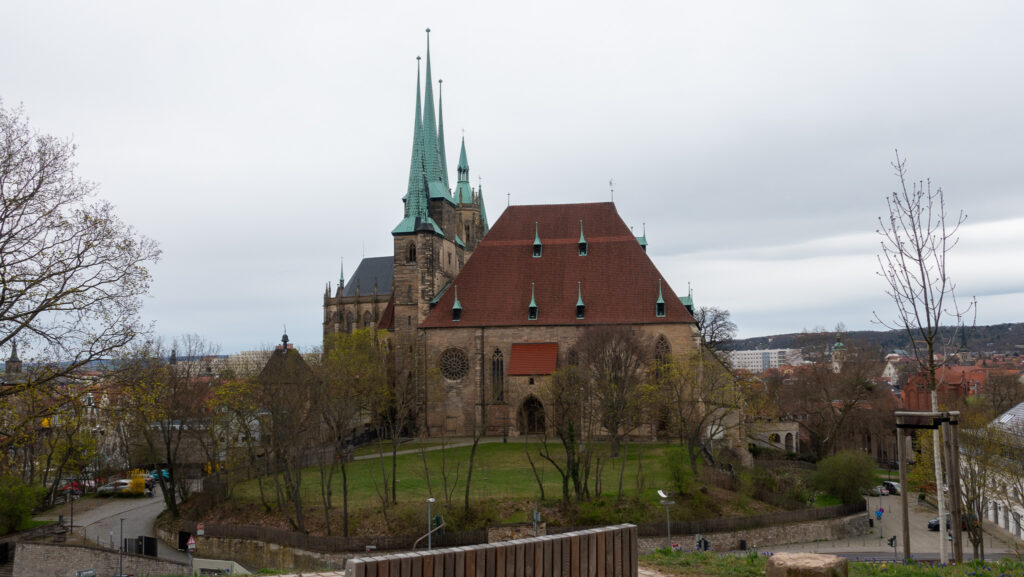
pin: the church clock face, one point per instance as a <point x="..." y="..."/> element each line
<point x="454" y="364"/>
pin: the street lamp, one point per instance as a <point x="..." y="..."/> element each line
<point x="430" y="529"/>
<point x="120" y="551"/>
<point x="668" y="521"/>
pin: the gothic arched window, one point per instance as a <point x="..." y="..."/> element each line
<point x="367" y="319"/>
<point x="662" y="350"/>
<point x="350" y="322"/>
<point x="498" y="375"/>
<point x="410" y="253"/>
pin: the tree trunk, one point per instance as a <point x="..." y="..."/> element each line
<point x="622" y="469"/>
<point x="344" y="494"/>
<point x="469" y="475"/>
<point x="939" y="493"/>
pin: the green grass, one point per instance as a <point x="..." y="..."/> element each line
<point x="718" y="565"/>
<point x="824" y="500"/>
<point x="504" y="489"/>
<point x="28" y="523"/>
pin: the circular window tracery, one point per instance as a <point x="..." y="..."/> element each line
<point x="454" y="364"/>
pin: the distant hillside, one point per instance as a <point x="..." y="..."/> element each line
<point x="1003" y="338"/>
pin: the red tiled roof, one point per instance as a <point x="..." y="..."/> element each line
<point x="533" y="358"/>
<point x="619" y="281"/>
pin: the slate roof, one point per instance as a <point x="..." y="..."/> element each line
<point x="379" y="268"/>
<point x="619" y="282"/>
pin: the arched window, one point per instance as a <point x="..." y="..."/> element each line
<point x="498" y="375"/>
<point x="662" y="350"/>
<point x="349" y="322"/>
<point x="410" y="253"/>
<point x="367" y="319"/>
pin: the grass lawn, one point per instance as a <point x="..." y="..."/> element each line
<point x="505" y="490"/>
<point x="719" y="565"/>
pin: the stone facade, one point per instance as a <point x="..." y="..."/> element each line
<point x="59" y="560"/>
<point x="453" y="406"/>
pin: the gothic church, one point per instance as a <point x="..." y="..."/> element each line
<point x="480" y="317"/>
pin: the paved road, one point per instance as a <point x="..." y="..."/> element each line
<point x="101" y="524"/>
<point x="924" y="544"/>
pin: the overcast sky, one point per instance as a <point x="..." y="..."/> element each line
<point x="260" y="143"/>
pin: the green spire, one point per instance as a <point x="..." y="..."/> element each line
<point x="538" y="247"/>
<point x="533" y="302"/>
<point x="582" y="240"/>
<point x="579" y="294"/>
<point x="661" y="300"/>
<point x="431" y="160"/>
<point x="457" y="305"/>
<point x="463" y="191"/>
<point x="416" y="215"/>
<point x="440" y="136"/>
<point x="483" y="211"/>
<point x="341" y="279"/>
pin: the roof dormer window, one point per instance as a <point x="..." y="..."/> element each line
<point x="583" y="241"/>
<point x="537" y="246"/>
<point x="581" y="309"/>
<point x="456" y="307"/>
<point x="532" y="309"/>
<point x="659" y="305"/>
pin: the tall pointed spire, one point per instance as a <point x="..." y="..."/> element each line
<point x="440" y="136"/>
<point x="463" y="190"/>
<point x="341" y="279"/>
<point x="432" y="162"/>
<point x="416" y="214"/>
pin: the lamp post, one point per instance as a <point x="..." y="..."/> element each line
<point x="430" y="530"/>
<point x="120" y="551"/>
<point x="668" y="521"/>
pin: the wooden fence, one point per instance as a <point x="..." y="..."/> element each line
<point x="604" y="552"/>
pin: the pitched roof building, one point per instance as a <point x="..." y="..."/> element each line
<point x="481" y="316"/>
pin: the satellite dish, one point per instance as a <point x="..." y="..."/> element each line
<point x="662" y="494"/>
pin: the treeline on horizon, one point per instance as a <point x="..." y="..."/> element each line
<point x="1001" y="338"/>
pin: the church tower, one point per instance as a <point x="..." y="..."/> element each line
<point x="470" y="217"/>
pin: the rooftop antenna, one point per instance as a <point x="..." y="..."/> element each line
<point x="509" y="195"/>
<point x="611" y="185"/>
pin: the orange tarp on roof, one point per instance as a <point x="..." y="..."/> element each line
<point x="533" y="359"/>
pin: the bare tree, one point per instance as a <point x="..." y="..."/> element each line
<point x="705" y="400"/>
<point x="980" y="457"/>
<point x="72" y="275"/>
<point x="716" y="328"/>
<point x="563" y="402"/>
<point x="164" y="409"/>
<point x="614" y="360"/>
<point x="352" y="364"/>
<point x="917" y="236"/>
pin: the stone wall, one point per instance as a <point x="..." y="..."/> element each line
<point x="60" y="560"/>
<point x="604" y="552"/>
<point x="852" y="526"/>
<point x="519" y="531"/>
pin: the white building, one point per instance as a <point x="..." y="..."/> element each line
<point x="757" y="361"/>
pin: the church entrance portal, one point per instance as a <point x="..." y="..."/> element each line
<point x="531" y="416"/>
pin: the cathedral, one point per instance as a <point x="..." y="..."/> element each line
<point x="480" y="316"/>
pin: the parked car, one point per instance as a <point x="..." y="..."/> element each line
<point x="892" y="486"/>
<point x="878" y="490"/>
<point x="933" y="525"/>
<point x="115" y="486"/>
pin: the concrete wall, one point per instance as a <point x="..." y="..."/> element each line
<point x="605" y="552"/>
<point x="61" y="560"/>
<point x="852" y="526"/>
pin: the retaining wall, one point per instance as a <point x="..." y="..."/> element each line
<point x="60" y="560"/>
